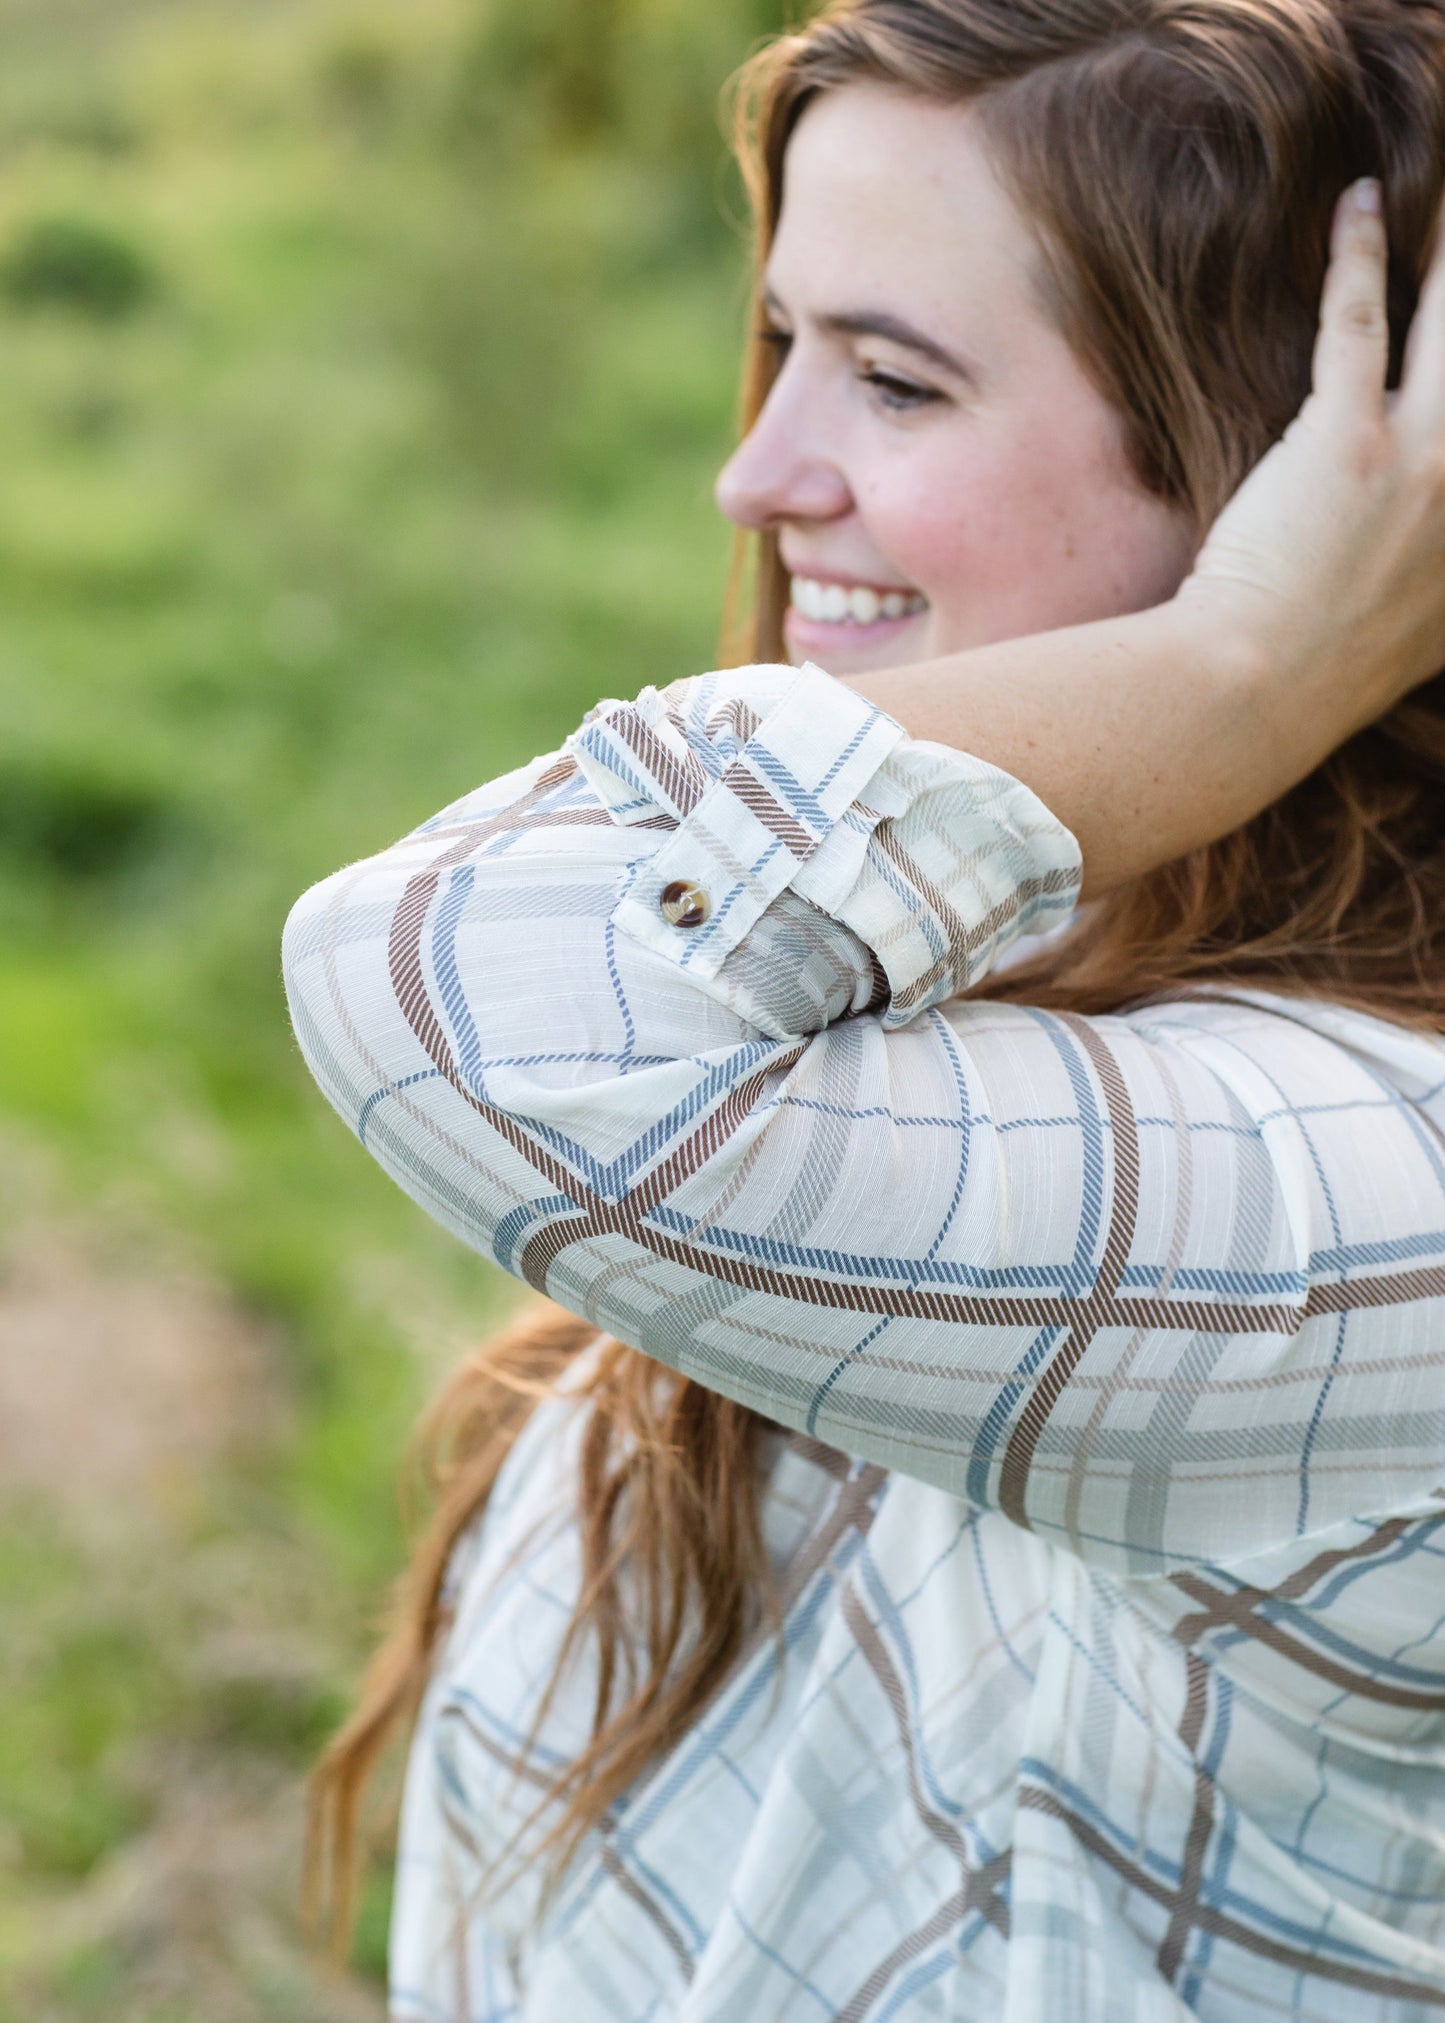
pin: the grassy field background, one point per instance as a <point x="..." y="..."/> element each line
<point x="363" y="371"/>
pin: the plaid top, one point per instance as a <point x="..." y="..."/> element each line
<point x="1109" y="1356"/>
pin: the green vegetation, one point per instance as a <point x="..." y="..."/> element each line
<point x="364" y="372"/>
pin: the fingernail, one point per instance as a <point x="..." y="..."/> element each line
<point x="1365" y="195"/>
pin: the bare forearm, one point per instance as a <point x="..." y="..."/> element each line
<point x="1148" y="735"/>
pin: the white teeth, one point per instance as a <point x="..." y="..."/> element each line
<point x="836" y="605"/>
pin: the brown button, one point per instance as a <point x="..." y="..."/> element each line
<point x="684" y="905"/>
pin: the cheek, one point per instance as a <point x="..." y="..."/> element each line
<point x="1009" y="531"/>
<point x="944" y="516"/>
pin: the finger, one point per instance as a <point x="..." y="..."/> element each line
<point x="1424" y="370"/>
<point x="1352" y="348"/>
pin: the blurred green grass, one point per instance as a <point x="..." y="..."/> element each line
<point x="363" y="371"/>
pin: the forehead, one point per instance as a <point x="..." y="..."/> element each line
<point x="891" y="195"/>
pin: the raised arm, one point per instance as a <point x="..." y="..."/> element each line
<point x="668" y="1025"/>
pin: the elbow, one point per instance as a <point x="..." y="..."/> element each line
<point x="308" y="979"/>
<point x="297" y="944"/>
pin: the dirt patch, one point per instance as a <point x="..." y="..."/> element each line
<point x="122" y="1384"/>
<point x="196" y="1918"/>
<point x="125" y="1388"/>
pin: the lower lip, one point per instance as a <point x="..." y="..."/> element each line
<point x="821" y="635"/>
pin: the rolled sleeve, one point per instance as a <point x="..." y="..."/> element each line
<point x="1165" y="1286"/>
<point x="778" y="781"/>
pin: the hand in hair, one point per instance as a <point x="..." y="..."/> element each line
<point x="1328" y="558"/>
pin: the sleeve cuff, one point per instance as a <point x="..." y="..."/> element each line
<point x="750" y="819"/>
<point x="974" y="862"/>
<point x="779" y="779"/>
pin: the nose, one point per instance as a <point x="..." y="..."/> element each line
<point x="781" y="472"/>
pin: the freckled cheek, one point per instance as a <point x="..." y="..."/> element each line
<point x="956" y="533"/>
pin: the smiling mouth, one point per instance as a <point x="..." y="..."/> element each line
<point x="852" y="604"/>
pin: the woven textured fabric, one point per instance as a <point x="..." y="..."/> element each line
<point x="1109" y="1354"/>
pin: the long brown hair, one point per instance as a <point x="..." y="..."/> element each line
<point x="1179" y="160"/>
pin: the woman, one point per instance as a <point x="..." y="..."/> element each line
<point x="1000" y="1576"/>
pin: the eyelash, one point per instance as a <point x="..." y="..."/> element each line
<point x="903" y="396"/>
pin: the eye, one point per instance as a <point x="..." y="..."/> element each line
<point x="893" y="391"/>
<point x="776" y="340"/>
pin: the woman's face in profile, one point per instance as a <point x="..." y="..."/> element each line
<point x="937" y="466"/>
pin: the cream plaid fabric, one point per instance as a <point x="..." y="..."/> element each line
<point x="1108" y="1352"/>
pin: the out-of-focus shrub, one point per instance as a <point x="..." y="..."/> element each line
<point x="72" y="263"/>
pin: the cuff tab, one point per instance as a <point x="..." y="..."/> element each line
<point x="636" y="758"/>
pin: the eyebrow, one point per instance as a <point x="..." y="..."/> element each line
<point x="880" y="323"/>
